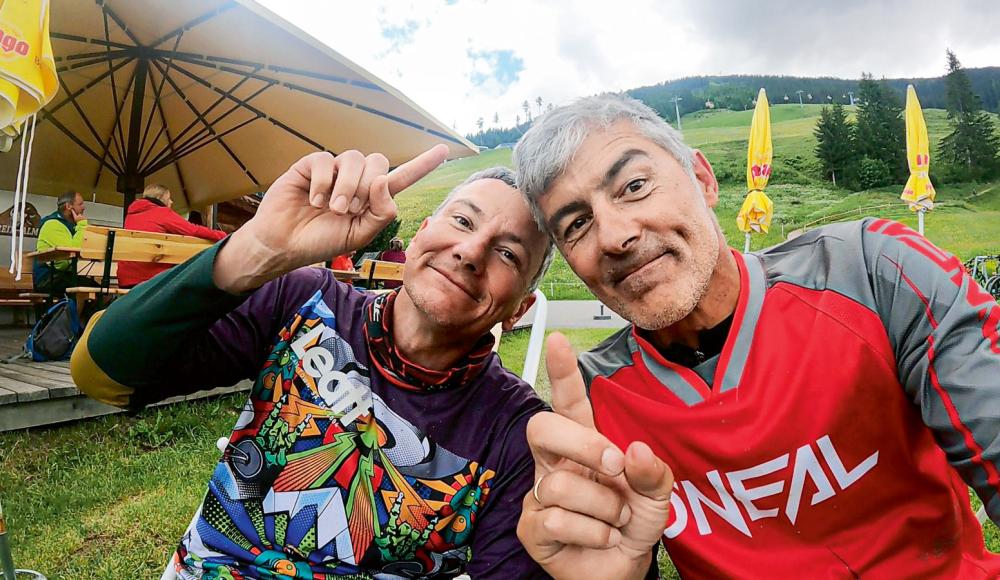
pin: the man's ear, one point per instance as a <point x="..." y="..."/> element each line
<point x="706" y="177"/>
<point x="523" y="307"/>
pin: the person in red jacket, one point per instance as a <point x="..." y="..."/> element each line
<point x="152" y="213"/>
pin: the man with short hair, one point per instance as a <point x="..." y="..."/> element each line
<point x="152" y="213"/>
<point x="62" y="228"/>
<point x="822" y="404"/>
<point x="382" y="436"/>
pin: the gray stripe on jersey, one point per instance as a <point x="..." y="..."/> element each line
<point x="741" y="345"/>
<point x="667" y="376"/>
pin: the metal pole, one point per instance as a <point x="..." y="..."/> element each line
<point x="746" y="245"/>
<point x="677" y="111"/>
<point x="533" y="356"/>
<point x="920" y="222"/>
<point x="800" y="97"/>
<point x="130" y="182"/>
<point x="6" y="561"/>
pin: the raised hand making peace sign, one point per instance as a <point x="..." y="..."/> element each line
<point x="321" y="207"/>
<point x="594" y="512"/>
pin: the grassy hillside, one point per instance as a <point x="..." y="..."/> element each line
<point x="966" y="221"/>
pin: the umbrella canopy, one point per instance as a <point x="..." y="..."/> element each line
<point x="212" y="98"/>
<point x="27" y="68"/>
<point x="918" y="192"/>
<point x="757" y="210"/>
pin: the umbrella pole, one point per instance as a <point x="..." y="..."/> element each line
<point x="746" y="244"/>
<point x="6" y="562"/>
<point x="920" y="222"/>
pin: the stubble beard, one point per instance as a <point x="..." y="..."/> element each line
<point x="667" y="304"/>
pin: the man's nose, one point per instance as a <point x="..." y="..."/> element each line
<point x="471" y="253"/>
<point x="617" y="230"/>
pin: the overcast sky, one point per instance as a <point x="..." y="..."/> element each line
<point x="465" y="59"/>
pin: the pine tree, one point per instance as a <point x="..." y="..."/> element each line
<point x="972" y="150"/>
<point x="834" y="148"/>
<point x="880" y="132"/>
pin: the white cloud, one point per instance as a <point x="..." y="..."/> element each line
<point x="575" y="48"/>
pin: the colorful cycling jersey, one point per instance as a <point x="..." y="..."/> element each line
<point x="330" y="470"/>
<point x="861" y="361"/>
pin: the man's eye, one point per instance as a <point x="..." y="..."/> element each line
<point x="462" y="221"/>
<point x="575" y="226"/>
<point x="635" y="185"/>
<point x="508" y="255"/>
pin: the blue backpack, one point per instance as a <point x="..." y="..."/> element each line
<point x="55" y="334"/>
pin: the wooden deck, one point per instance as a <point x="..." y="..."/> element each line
<point x="34" y="394"/>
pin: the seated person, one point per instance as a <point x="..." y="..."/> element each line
<point x="365" y="448"/>
<point x="62" y="228"/>
<point x="152" y="213"/>
<point x="396" y="254"/>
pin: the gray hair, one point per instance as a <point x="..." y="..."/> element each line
<point x="548" y="147"/>
<point x="507" y="176"/>
<point x="66" y="197"/>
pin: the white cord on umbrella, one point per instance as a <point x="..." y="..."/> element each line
<point x="24" y="201"/>
<point x="15" y="209"/>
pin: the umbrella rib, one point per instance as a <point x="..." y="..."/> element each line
<point x="121" y="24"/>
<point x="85" y="88"/>
<point x="209" y="61"/>
<point x="177" y="166"/>
<point x="88" y="40"/>
<point x="120" y="142"/>
<point x="75" y="139"/>
<point x="79" y="110"/>
<point x="216" y="138"/>
<point x="85" y="64"/>
<point x="192" y="23"/>
<point x="200" y="133"/>
<point x="156" y="97"/>
<point x="111" y="133"/>
<point x="320" y="94"/>
<point x="198" y="114"/>
<point x="249" y="107"/>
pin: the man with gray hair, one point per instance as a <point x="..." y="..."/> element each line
<point x="382" y="436"/>
<point x="822" y="405"/>
<point x="62" y="228"/>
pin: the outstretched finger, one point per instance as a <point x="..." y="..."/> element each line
<point x="349" y="166"/>
<point x="410" y="172"/>
<point x="315" y="173"/>
<point x="569" y="395"/>
<point x="554" y="439"/>
<point x="376" y="165"/>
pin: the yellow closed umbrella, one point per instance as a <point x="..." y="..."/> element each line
<point x="27" y="68"/>
<point x="27" y="83"/>
<point x="757" y="211"/>
<point x="918" y="192"/>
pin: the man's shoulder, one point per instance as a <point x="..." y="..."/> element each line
<point x="511" y="392"/>
<point x="609" y="356"/>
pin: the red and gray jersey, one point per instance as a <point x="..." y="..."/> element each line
<point x="856" y="398"/>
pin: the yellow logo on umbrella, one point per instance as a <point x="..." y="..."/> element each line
<point x="757" y="210"/>
<point x="918" y="192"/>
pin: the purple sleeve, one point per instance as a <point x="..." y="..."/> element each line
<point x="496" y="550"/>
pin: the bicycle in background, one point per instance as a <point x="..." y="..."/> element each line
<point x="985" y="270"/>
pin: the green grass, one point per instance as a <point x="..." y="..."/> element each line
<point x="963" y="223"/>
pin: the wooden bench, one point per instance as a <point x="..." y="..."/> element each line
<point x="18" y="294"/>
<point x="380" y="271"/>
<point x="108" y="246"/>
